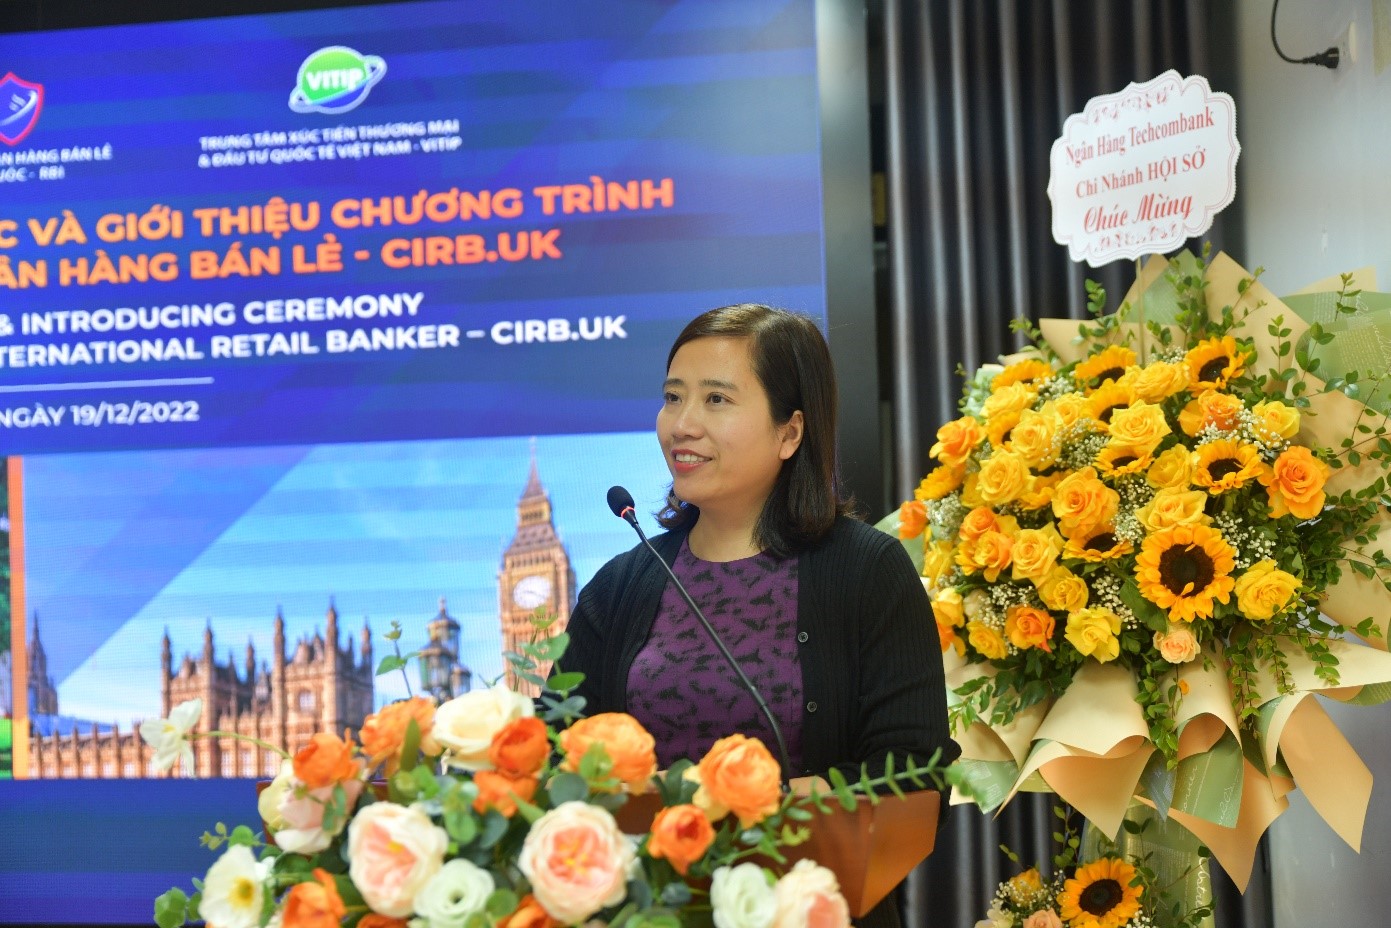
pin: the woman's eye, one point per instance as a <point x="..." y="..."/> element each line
<point x="669" y="397"/>
<point x="717" y="399"/>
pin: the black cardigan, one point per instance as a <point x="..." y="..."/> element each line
<point x="872" y="679"/>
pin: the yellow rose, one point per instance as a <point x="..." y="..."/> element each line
<point x="969" y="495"/>
<point x="939" y="483"/>
<point x="1171" y="470"/>
<point x="1035" y="552"/>
<point x="1068" y="408"/>
<point x="1035" y="438"/>
<point x="1277" y="417"/>
<point x="1016" y="397"/>
<point x="1177" y="644"/>
<point x="1081" y="499"/>
<point x="1172" y="507"/>
<point x="956" y="440"/>
<point x="1141" y="425"/>
<point x="948" y="609"/>
<point x="1264" y="590"/>
<point x="977" y="522"/>
<point x="937" y="559"/>
<point x="986" y="641"/>
<point x="1039" y="492"/>
<point x="1003" y="476"/>
<point x="1093" y="632"/>
<point x="1062" y="590"/>
<point x="1159" y="381"/>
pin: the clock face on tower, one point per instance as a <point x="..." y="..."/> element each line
<point x="532" y="591"/>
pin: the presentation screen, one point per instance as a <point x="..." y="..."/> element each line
<point x="313" y="323"/>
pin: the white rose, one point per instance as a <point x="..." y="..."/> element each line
<point x="393" y="851"/>
<point x="975" y="602"/>
<point x="234" y="889"/>
<point x="268" y="803"/>
<point x="466" y="725"/>
<point x="742" y="897"/>
<point x="996" y="918"/>
<point x="457" y="891"/>
<point x="808" y="895"/>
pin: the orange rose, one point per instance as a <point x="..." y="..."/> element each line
<point x="326" y="760"/>
<point x="680" y="835"/>
<point x="946" y="633"/>
<point x="737" y="775"/>
<point x="1210" y="408"/>
<point x="1029" y="627"/>
<point x="912" y="519"/>
<point x="520" y="747"/>
<point x="529" y="914"/>
<point x="500" y="791"/>
<point x="989" y="554"/>
<point x="1295" y="482"/>
<point x="629" y="746"/>
<point x="378" y="920"/>
<point x="384" y="732"/>
<point x="977" y="522"/>
<point x="314" y="905"/>
<point x="956" y="440"/>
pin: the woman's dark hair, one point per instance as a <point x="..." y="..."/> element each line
<point x="793" y="364"/>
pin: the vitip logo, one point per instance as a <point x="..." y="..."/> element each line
<point x="334" y="80"/>
<point x="20" y="105"/>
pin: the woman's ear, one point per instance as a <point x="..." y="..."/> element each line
<point x="791" y="435"/>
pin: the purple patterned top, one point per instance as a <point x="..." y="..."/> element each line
<point x="680" y="687"/>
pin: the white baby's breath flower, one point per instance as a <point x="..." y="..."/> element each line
<point x="169" y="737"/>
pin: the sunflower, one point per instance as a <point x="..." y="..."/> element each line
<point x="1109" y="364"/>
<point x="1212" y="364"/>
<point x="1096" y="543"/>
<point x="1031" y="372"/>
<point x="1118" y="460"/>
<point x="1184" y="569"/>
<point x="1101" y="894"/>
<point x="1106" y="399"/>
<point x="1226" y="465"/>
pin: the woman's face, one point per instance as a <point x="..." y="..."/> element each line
<point x="716" y="428"/>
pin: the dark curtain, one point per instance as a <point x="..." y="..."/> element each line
<point x="968" y="100"/>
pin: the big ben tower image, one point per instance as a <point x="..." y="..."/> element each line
<point x="536" y="573"/>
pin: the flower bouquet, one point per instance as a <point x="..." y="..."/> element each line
<point x="1134" y="538"/>
<point x="483" y="815"/>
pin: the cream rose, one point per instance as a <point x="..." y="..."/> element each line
<point x="974" y="603"/>
<point x="1264" y="590"/>
<point x="808" y="896"/>
<point x="742" y="897"/>
<point x="577" y="861"/>
<point x="460" y="889"/>
<point x="1044" y="918"/>
<point x="465" y="725"/>
<point x="268" y="803"/>
<point x="300" y="812"/>
<point x="1177" y="644"/>
<point x="393" y="851"/>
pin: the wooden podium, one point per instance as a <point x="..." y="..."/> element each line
<point x="870" y="850"/>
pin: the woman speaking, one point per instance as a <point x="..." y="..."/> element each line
<point x="825" y="614"/>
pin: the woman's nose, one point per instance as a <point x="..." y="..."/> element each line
<point x="685" y="422"/>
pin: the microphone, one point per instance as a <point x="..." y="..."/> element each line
<point x="621" y="503"/>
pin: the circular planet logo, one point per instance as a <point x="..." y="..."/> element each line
<point x="334" y="80"/>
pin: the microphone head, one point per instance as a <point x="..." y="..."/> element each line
<point x="620" y="500"/>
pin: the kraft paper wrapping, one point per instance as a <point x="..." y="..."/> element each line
<point x="1091" y="746"/>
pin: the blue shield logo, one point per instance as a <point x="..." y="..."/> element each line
<point x="20" y="105"/>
